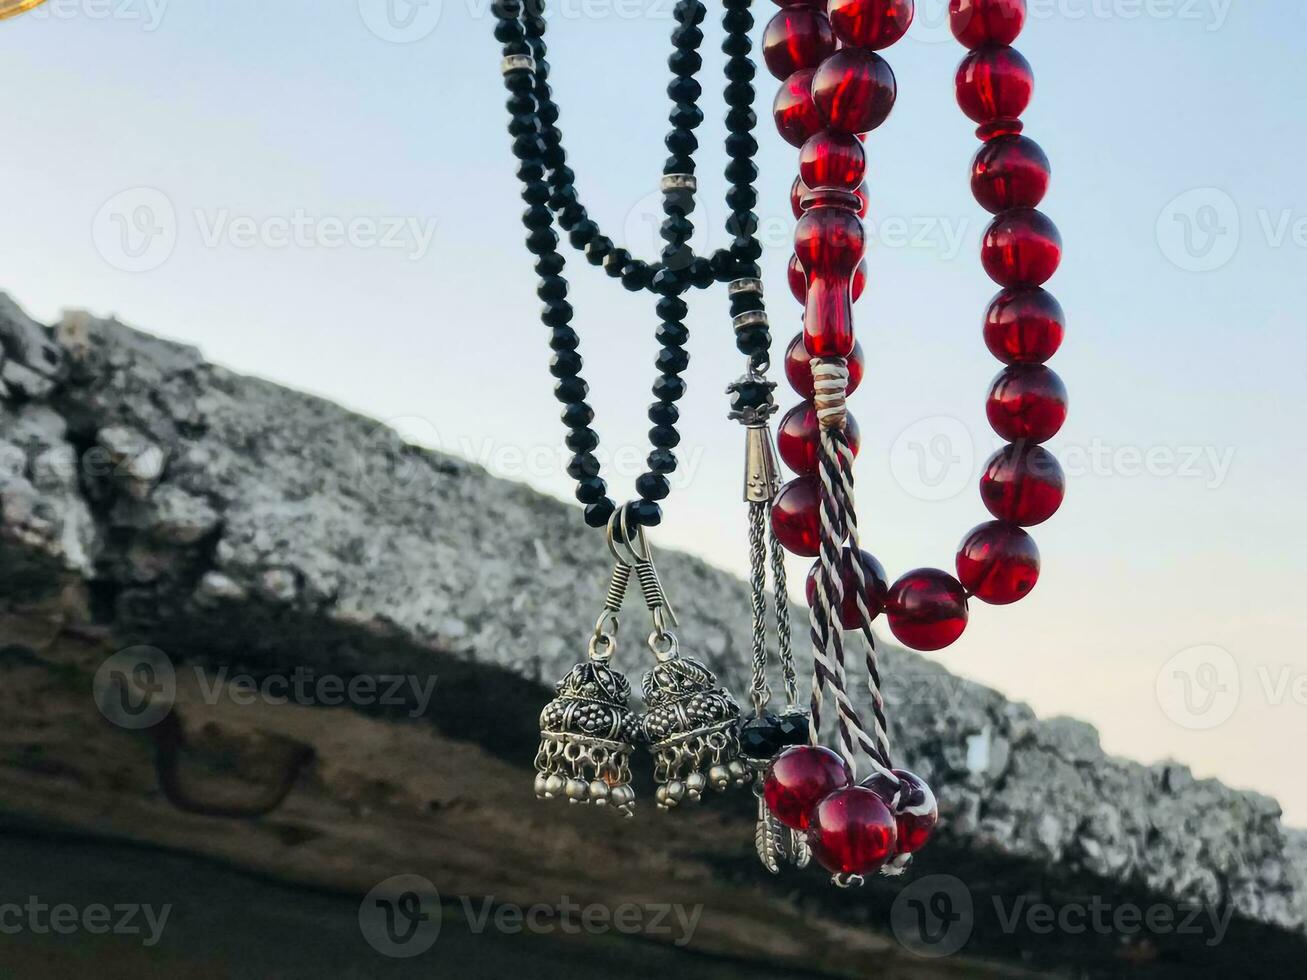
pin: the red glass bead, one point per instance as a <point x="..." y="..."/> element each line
<point x="831" y="159"/>
<point x="993" y="84"/>
<point x="1027" y="403"/>
<point x="799" y="438"/>
<point x="917" y="811"/>
<point x="977" y="22"/>
<point x="795" y="113"/>
<point x="797" y="37"/>
<point x="927" y="609"/>
<point x="829" y="243"/>
<point x="1024" y="326"/>
<point x="874" y="592"/>
<point x="796" y="517"/>
<point x="799" y="282"/>
<point x="854" y="90"/>
<point x="1021" y="248"/>
<point x="1009" y="172"/>
<point x="798" y="367"/>
<point x="998" y="563"/>
<point x="800" y="778"/>
<point x="853" y="832"/>
<point x="1023" y="485"/>
<point x="870" y="24"/>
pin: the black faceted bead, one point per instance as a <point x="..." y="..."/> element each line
<point x="741" y="198"/>
<point x="662" y="461"/>
<point x="741" y="145"/>
<point x="582" y="440"/>
<point x="681" y="142"/>
<point x="591" y="490"/>
<point x="530" y="170"/>
<point x="701" y="274"/>
<point x="520" y="104"/>
<point x="795" y="728"/>
<point x="564" y="196"/>
<point x="598" y="514"/>
<point x="750" y="394"/>
<point x="549" y="265"/>
<point x="671" y="308"/>
<point x="651" y="486"/>
<point x="571" y="390"/>
<point x="664" y="437"/>
<point x="672" y="334"/>
<point x="761" y="738"/>
<point x="563" y="338"/>
<point x="740" y="70"/>
<point x="529" y="147"/>
<point x="518" y="82"/>
<point x="669" y="388"/>
<point x="685" y="61"/>
<point x="741" y="119"/>
<point x="687" y="36"/>
<point x="676" y="229"/>
<point x="742" y="224"/>
<point x="684" y="90"/>
<point x="577" y="415"/>
<point x="646" y="513"/>
<point x="753" y="340"/>
<point x="552" y="288"/>
<point x="557" y="314"/>
<point x="542" y="241"/>
<point x="678" y="165"/>
<point x="737" y="44"/>
<point x="664" y="413"/>
<point x="689" y="12"/>
<point x="737" y="21"/>
<point x="615" y="261"/>
<point x="537" y="216"/>
<point x="583" y="465"/>
<point x="686" y="116"/>
<point x="672" y="360"/>
<point x="597" y="249"/>
<point x="745" y="303"/>
<point x="668" y="281"/>
<point x="582" y="233"/>
<point x="565" y="364"/>
<point x="740" y="171"/>
<point x="635" y="276"/>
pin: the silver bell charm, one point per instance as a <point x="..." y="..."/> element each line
<point x="691" y="727"/>
<point x="586" y="737"/>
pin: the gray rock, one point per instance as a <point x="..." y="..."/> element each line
<point x="184" y="492"/>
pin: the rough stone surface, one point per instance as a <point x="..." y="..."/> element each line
<point x="179" y="492"/>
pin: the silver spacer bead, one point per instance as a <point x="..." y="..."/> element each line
<point x="678" y="182"/>
<point x="740" y="286"/>
<point x="753" y="318"/>
<point x="517" y="62"/>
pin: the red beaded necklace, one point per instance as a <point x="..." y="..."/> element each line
<point x="835" y="89"/>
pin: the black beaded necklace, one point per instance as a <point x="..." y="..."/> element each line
<point x="549" y="190"/>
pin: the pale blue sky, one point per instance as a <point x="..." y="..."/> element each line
<point x="340" y="214"/>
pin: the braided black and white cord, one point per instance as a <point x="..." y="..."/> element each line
<point x="759" y="687"/>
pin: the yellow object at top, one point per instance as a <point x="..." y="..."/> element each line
<point x="12" y="8"/>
